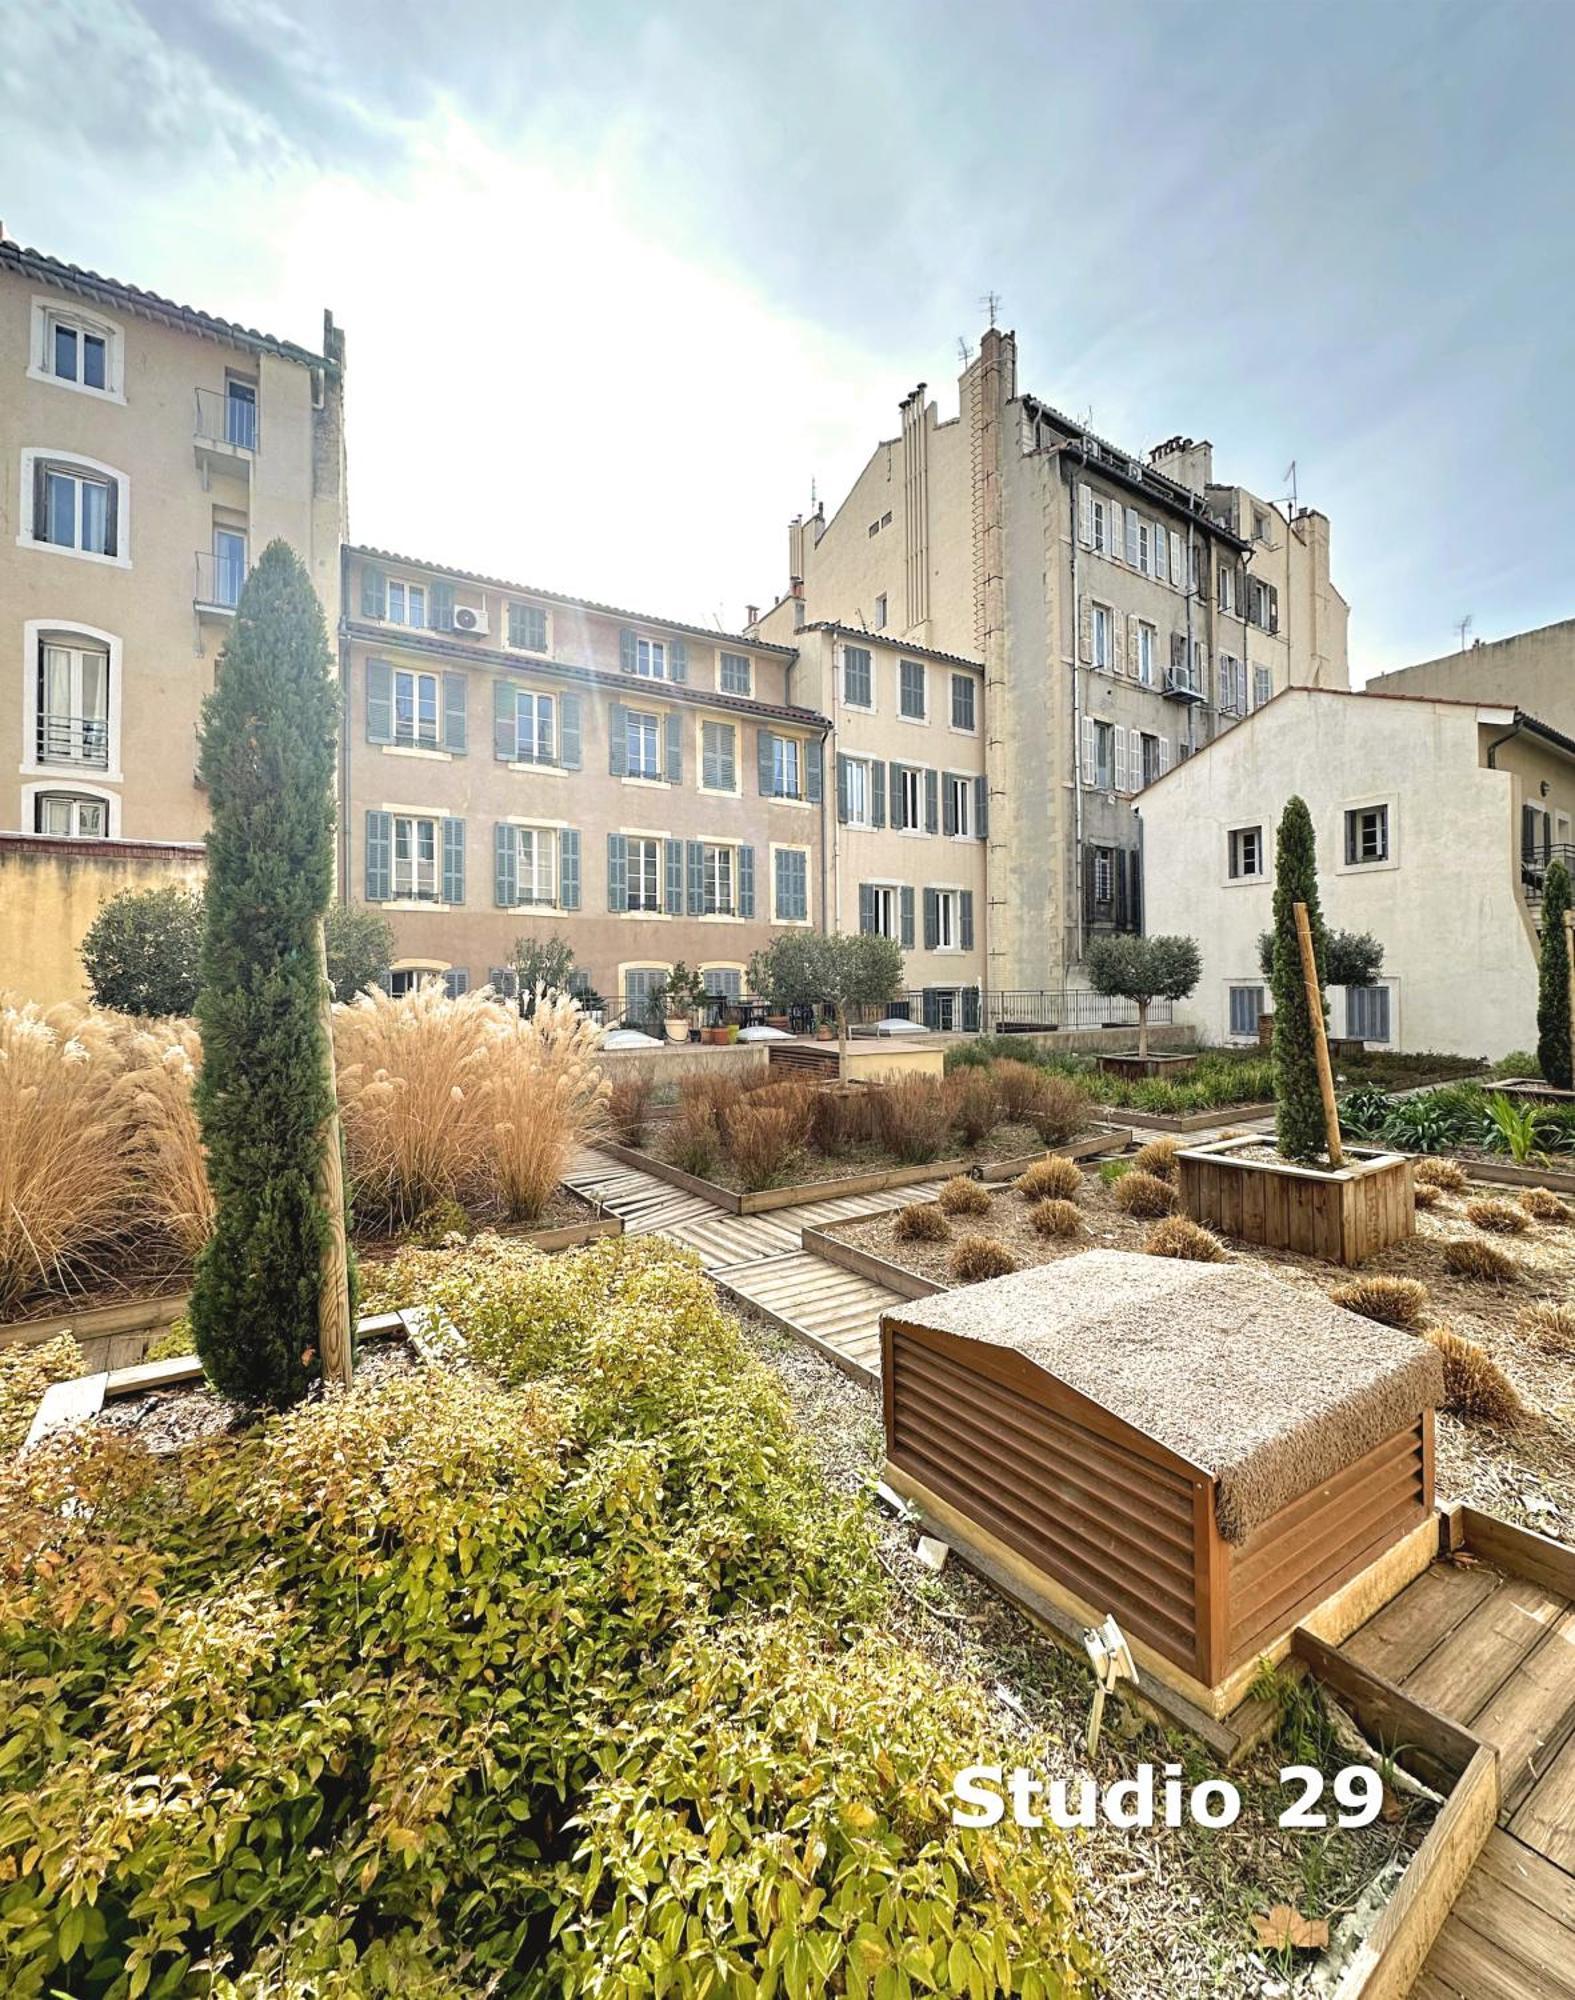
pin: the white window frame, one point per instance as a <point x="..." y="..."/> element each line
<point x="1391" y="855"/>
<point x="912" y="774"/>
<point x="1147" y="651"/>
<point x="634" y="724"/>
<point x="948" y="921"/>
<point x="35" y="633"/>
<point x="1389" y="989"/>
<point x="880" y="612"/>
<point x="1103" y="776"/>
<point x="76" y="465"/>
<point x="414" y="862"/>
<point x="70" y="784"/>
<point x="718" y="860"/>
<point x="1234" y="835"/>
<point x="653" y="842"/>
<point x="650" y="658"/>
<point x="787" y="771"/>
<point x="1225" y="590"/>
<point x="535" y="698"/>
<point x="48" y="313"/>
<point x="1102" y="639"/>
<point x="1232" y="988"/>
<point x="414" y="677"/>
<point x="542" y="840"/>
<point x="888" y="905"/>
<point x="409" y="592"/>
<point x="1262" y="685"/>
<point x="961" y="789"/>
<point x="860" y="814"/>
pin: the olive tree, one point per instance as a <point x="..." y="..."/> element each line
<point x="1143" y="969"/>
<point x="842" y="970"/>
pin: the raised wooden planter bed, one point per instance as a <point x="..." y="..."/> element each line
<point x="762" y="1200"/>
<point x="1505" y="1173"/>
<point x="1532" y="1087"/>
<point x="1194" y="1121"/>
<point x="1344" y="1215"/>
<point x="835" y="1249"/>
<point x="1160" y="1064"/>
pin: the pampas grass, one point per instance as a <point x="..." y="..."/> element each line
<point x="541" y="1094"/>
<point x="166" y="1139"/>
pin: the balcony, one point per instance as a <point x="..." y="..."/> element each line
<point x="218" y="586"/>
<point x="224" y="436"/>
<point x="1534" y="869"/>
<point x="74" y="740"/>
<point x="1183" y="684"/>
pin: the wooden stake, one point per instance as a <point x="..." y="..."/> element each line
<point x="333" y="1289"/>
<point x="1569" y="947"/>
<point x="1331" y="1113"/>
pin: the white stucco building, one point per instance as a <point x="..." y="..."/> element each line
<point x="1434" y="820"/>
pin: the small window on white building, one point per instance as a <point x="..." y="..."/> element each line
<point x="1104" y="638"/>
<point x="76" y="507"/>
<point x="880" y="612"/>
<point x="1245" y="845"/>
<point x="1246" y="1005"/>
<point x="1366" y="836"/>
<point x="1367" y="1013"/>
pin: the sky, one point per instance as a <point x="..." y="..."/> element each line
<point x="622" y="283"/>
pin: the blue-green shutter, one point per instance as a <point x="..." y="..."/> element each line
<point x="842" y="789"/>
<point x="569" y="868"/>
<point x="453" y="861"/>
<point x="673" y="762"/>
<point x="981" y="808"/>
<point x="374" y="592"/>
<point x="569" y="731"/>
<point x="379" y="856"/>
<point x="814" y="770"/>
<point x="694" y="856"/>
<point x="617" y="871"/>
<point x="456" y="713"/>
<point x="965" y="918"/>
<point x="866" y="907"/>
<point x="905" y="907"/>
<point x="505" y="721"/>
<point x="932" y="802"/>
<point x="948" y="807"/>
<point x="379" y="702"/>
<point x="729" y="755"/>
<point x="673" y="855"/>
<point x="505" y="865"/>
<point x="627" y="654"/>
<point x="617" y="741"/>
<point x="877" y="792"/>
<point x="765" y="761"/>
<point x="932" y="919"/>
<point x="896" y="798"/>
<point x="746" y="881"/>
<point x="677" y="660"/>
<point x="441" y="601"/>
<point x="779" y="908"/>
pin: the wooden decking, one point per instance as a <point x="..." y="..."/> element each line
<point x="1493" y="1649"/>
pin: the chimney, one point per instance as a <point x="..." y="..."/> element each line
<point x="751" y="616"/>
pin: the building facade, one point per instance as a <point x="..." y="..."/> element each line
<point x="1419" y="808"/>
<point x="148" y="452"/>
<point x="1125" y="611"/>
<point x="1533" y="671"/>
<point x="519" y="764"/>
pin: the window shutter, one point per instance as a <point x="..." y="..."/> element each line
<point x="677" y="660"/>
<point x="505" y="731"/>
<point x="1164" y="755"/>
<point x="569" y="868"/>
<point x="674" y="763"/>
<point x="617" y="871"/>
<point x="694" y="859"/>
<point x="379" y="855"/>
<point x="1085" y="628"/>
<point x="1121" y="758"/>
<point x="453" y="861"/>
<point x="1088" y="750"/>
<point x="932" y="919"/>
<point x="965" y="918"/>
<point x="905" y="909"/>
<point x="898" y="807"/>
<point x="729" y="735"/>
<point x="710" y="758"/>
<point x="440" y="601"/>
<point x="932" y="802"/>
<point x="1274" y="626"/>
<point x="746" y="881"/>
<point x="456" y="716"/>
<point x="569" y="731"/>
<point x="1161" y="546"/>
<point x="981" y="808"/>
<point x="112" y="519"/>
<point x="1120" y="860"/>
<point x="763" y="760"/>
<point x="617" y="742"/>
<point x="1134" y="645"/>
<point x="1176" y="577"/>
<point x="1085" y="514"/>
<point x="1132" y="539"/>
<point x="842" y="789"/>
<point x="877" y="770"/>
<point x="1114" y="546"/>
<point x="379" y="702"/>
<point x="779" y="906"/>
<point x="40" y="500"/>
<point x="673" y="901"/>
<point x="505" y="865"/>
<point x="1118" y="642"/>
<point x="627" y="651"/>
<point x="1350" y="837"/>
<point x="948" y="806"/>
<point x="866" y="908"/>
<point x="374" y="592"/>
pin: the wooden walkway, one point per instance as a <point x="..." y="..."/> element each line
<point x="1495" y="1652"/>
<point x="760" y="1259"/>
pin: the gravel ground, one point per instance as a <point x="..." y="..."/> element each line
<point x="1525" y="1472"/>
<point x="1171" y="1908"/>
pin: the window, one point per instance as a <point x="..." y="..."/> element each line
<point x="415" y="858"/>
<point x="1147" y="654"/>
<point x="1244" y="849"/>
<point x="1104" y="638"/>
<point x="1143" y="540"/>
<point x="1246" y="1004"/>
<point x="1104" y="877"/>
<point x="1104" y="774"/>
<point x="78" y="356"/>
<point x="736" y="673"/>
<point x="911" y="678"/>
<point x="650" y="659"/>
<point x="790" y="880"/>
<point x="1366" y="836"/>
<point x="71" y="815"/>
<point x="456" y="981"/>
<point x="74" y="508"/>
<point x="229" y="567"/>
<point x="1260" y="525"/>
<point x="957" y="806"/>
<point x="907" y="798"/>
<point x="407" y="603"/>
<point x="535" y="731"/>
<point x="1262" y="686"/>
<point x="416" y="708"/>
<point x="1367" y="1013"/>
<point x="1227" y="588"/>
<point x="1152" y="758"/>
<point x="856" y="785"/>
<point x="963" y="702"/>
<point x="857" y="683"/>
<point x="644" y="759"/>
<point x="880" y="612"/>
<point x="535" y="865"/>
<point x="786" y="767"/>
<point x="527" y="628"/>
<point x="645" y="875"/>
<point x="73" y="704"/>
<point x="75" y="349"/>
<point x="880" y="909"/>
<point x="718" y="757"/>
<point x="948" y="929"/>
<point x="1263" y="605"/>
<point x="240" y="414"/>
<point x="1232" y="689"/>
<point x="716" y="873"/>
<point x="1101" y="530"/>
<point x="640" y="986"/>
<point x="723" y="982"/>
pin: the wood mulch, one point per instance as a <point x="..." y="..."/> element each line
<point x="1524" y="1472"/>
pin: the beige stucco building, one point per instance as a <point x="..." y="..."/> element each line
<point x="1124" y="611"/>
<point x="1534" y="671"/>
<point x="520" y="764"/>
<point x="1419" y="808"/>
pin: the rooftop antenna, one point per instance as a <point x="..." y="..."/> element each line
<point x="964" y="351"/>
<point x="1463" y="628"/>
<point x="992" y="304"/>
<point x="1290" y="481"/>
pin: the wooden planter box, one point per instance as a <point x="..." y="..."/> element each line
<point x="1345" y="1216"/>
<point x="1150" y="1065"/>
<point x="1195" y="1121"/>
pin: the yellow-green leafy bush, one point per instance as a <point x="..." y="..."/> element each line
<point x="27" y="1368"/>
<point x="531" y="1678"/>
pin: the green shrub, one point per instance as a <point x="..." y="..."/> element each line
<point x="141" y="951"/>
<point x="1299" y="1121"/>
<point x="1553" y="981"/>
<point x="27" y="1369"/>
<point x="1519" y="1062"/>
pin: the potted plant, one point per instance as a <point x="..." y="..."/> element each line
<point x="1310" y="1192"/>
<point x="1144" y="969"/>
<point x="679" y="997"/>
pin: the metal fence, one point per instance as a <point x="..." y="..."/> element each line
<point x="944" y="1009"/>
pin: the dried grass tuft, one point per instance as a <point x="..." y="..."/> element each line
<point x="1425" y="1195"/>
<point x="1057" y="1218"/>
<point x="1017" y="1086"/>
<point x="961" y="1196"/>
<point x="762" y="1139"/>
<point x="629" y="1107"/>
<point x="166" y="1139"/>
<point x="1055" y="1178"/>
<point x="843" y="1118"/>
<point x="542" y="1094"/>
<point x="913" y="1117"/>
<point x="976" y="1258"/>
<point x="1445" y="1174"/>
<point x="920" y="1222"/>
<point x="1179" y="1236"/>
<point x="1469" y="1257"/>
<point x="1503" y="1218"/>
<point x="1398" y="1302"/>
<point x="1545" y="1206"/>
<point x="1158" y="1158"/>
<point x="1475" y="1387"/>
<point x="1144" y="1194"/>
<point x="1550" y="1327"/>
<point x="975" y="1105"/>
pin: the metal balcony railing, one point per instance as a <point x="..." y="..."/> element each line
<point x="1534" y="867"/>
<point x="219" y="580"/>
<point x="223" y="418"/>
<point x="73" y="739"/>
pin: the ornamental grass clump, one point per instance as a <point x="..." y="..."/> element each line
<point x="1425" y="1195"/>
<point x="913" y="1119"/>
<point x="1470" y="1257"/>
<point x="763" y="1140"/>
<point x="1140" y="1194"/>
<point x="1475" y="1387"/>
<point x="1503" y="1218"/>
<point x="166" y="1139"/>
<point x="1543" y="1205"/>
<point x="541" y="1095"/>
<point x="1177" y="1236"/>
<point x="1400" y="1302"/>
<point x="1158" y="1158"/>
<point x="978" y="1257"/>
<point x="694" y="1139"/>
<point x="1062" y="1109"/>
<point x="920" y="1222"/>
<point x="961" y="1196"/>
<point x="1550" y="1327"/>
<point x="1448" y="1175"/>
<point x="1017" y="1087"/>
<point x="974" y="1103"/>
<point x="842" y="1119"/>
<point x="1063" y="1219"/>
<point x="67" y="1168"/>
<point x="1056" y="1178"/>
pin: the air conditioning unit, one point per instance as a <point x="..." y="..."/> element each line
<point x="471" y="618"/>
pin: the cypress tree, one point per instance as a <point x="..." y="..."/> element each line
<point x="266" y="1094"/>
<point x="1299" y="1105"/>
<point x="1553" y="982"/>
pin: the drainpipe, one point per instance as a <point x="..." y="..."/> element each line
<point x="1077" y="717"/>
<point x="343" y="802"/>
